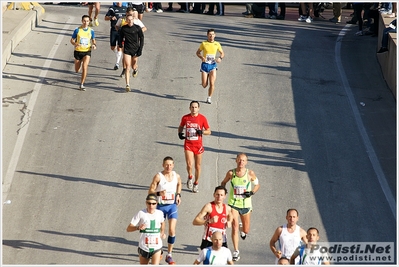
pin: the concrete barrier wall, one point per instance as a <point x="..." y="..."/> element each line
<point x="15" y="32"/>
<point x="388" y="60"/>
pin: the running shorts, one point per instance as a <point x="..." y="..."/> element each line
<point x="205" y="67"/>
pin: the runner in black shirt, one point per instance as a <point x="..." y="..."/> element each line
<point x="133" y="42"/>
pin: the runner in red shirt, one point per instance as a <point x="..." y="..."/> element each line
<point x="195" y="125"/>
<point x="215" y="216"/>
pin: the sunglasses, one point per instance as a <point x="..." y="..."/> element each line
<point x="151" y="203"/>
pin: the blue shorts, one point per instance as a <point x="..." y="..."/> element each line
<point x="205" y="67"/>
<point x="169" y="211"/>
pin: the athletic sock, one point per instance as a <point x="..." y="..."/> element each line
<point x="118" y="56"/>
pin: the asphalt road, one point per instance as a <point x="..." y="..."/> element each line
<point x="88" y="157"/>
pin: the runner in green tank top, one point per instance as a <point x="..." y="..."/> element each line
<point x="241" y="180"/>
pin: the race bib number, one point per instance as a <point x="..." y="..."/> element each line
<point x="210" y="59"/>
<point x="239" y="190"/>
<point x="169" y="196"/>
<point x="151" y="240"/>
<point x="191" y="134"/>
<point x="84" y="42"/>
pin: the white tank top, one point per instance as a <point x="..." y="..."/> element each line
<point x="170" y="187"/>
<point x="288" y="242"/>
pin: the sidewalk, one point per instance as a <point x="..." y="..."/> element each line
<point x="16" y="24"/>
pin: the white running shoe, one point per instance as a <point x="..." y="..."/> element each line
<point x="195" y="188"/>
<point x="190" y="183"/>
<point x="309" y="19"/>
<point x="236" y="255"/>
<point x="208" y="100"/>
<point x="302" y="18"/>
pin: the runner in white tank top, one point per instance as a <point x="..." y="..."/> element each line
<point x="288" y="242"/>
<point x="288" y="235"/>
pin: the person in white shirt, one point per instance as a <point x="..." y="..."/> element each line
<point x="308" y="256"/>
<point x="151" y="224"/>
<point x="289" y="236"/>
<point x="216" y="254"/>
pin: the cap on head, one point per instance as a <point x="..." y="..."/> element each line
<point x="152" y="197"/>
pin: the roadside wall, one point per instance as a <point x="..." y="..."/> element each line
<point x="388" y="60"/>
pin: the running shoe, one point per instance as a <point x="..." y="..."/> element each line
<point x="96" y="22"/>
<point x="359" y="33"/>
<point x="190" y="183"/>
<point x="195" y="188"/>
<point x="334" y="20"/>
<point x="309" y="19"/>
<point x="242" y="234"/>
<point x="302" y="18"/>
<point x="82" y="87"/>
<point x="208" y="100"/>
<point x="116" y="66"/>
<point x="236" y="255"/>
<point x="123" y="72"/>
<point x="127" y="88"/>
<point x="169" y="260"/>
<point x="135" y="72"/>
<point x="91" y="23"/>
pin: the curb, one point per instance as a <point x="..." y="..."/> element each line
<point x="26" y="24"/>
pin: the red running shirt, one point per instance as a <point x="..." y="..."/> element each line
<point x="191" y="124"/>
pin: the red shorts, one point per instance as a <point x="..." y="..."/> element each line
<point x="196" y="149"/>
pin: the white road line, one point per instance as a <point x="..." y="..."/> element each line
<point x="29" y="110"/>
<point x="366" y="140"/>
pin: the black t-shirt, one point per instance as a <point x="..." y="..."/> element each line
<point x="116" y="11"/>
<point x="133" y="38"/>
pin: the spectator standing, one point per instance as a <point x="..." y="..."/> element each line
<point x="167" y="187"/>
<point x="170" y="7"/>
<point x="151" y="224"/>
<point x="184" y="7"/>
<point x="195" y="126"/>
<point x="241" y="180"/>
<point x="219" y="9"/>
<point x="306" y="12"/>
<point x="255" y="10"/>
<point x="273" y="8"/>
<point x="157" y="7"/>
<point x="84" y="40"/>
<point x="337" y="11"/>
<point x="198" y="8"/>
<point x="358" y="9"/>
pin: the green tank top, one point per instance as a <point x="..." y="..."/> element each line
<point x="239" y="185"/>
